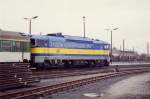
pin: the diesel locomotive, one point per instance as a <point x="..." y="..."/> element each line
<point x="63" y="50"/>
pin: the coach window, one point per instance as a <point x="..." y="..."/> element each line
<point x="27" y="46"/>
<point x="6" y="46"/>
<point x="13" y="46"/>
<point x="18" y="47"/>
<point x="24" y="46"/>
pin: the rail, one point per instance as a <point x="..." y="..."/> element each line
<point x="40" y="91"/>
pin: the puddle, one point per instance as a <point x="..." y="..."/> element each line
<point x="92" y="95"/>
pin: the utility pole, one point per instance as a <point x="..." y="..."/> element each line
<point x="30" y="21"/>
<point x="147" y="48"/>
<point x="111" y="42"/>
<point x="111" y="38"/>
<point x="84" y="25"/>
<point x="123" y="50"/>
<point x="120" y="48"/>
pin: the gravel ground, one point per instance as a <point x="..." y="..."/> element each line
<point x="125" y="87"/>
<point x="78" y="93"/>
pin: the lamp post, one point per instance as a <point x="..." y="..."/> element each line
<point x="148" y="49"/>
<point x="30" y="21"/>
<point x="84" y="25"/>
<point x="111" y="30"/>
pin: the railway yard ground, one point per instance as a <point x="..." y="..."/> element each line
<point x="124" y="87"/>
<point x="88" y="83"/>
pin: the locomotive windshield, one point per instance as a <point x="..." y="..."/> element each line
<point x="106" y="47"/>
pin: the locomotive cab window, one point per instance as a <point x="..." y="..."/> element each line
<point x="32" y="42"/>
<point x="105" y="47"/>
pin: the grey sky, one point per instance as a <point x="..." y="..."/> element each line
<point x="132" y="17"/>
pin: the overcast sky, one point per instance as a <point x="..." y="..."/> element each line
<point x="132" y="17"/>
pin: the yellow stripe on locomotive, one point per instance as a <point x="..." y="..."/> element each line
<point x="68" y="51"/>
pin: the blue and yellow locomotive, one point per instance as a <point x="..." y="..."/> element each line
<point x="62" y="50"/>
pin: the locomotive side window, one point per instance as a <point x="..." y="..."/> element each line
<point x="41" y="43"/>
<point x="45" y="43"/>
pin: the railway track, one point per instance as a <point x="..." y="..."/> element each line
<point x="43" y="90"/>
<point x="57" y="73"/>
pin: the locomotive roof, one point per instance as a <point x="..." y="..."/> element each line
<point x="45" y="37"/>
<point x="12" y="35"/>
<point x="63" y="38"/>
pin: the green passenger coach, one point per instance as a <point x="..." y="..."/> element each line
<point x="14" y="47"/>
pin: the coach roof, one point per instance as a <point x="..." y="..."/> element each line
<point x="11" y="35"/>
